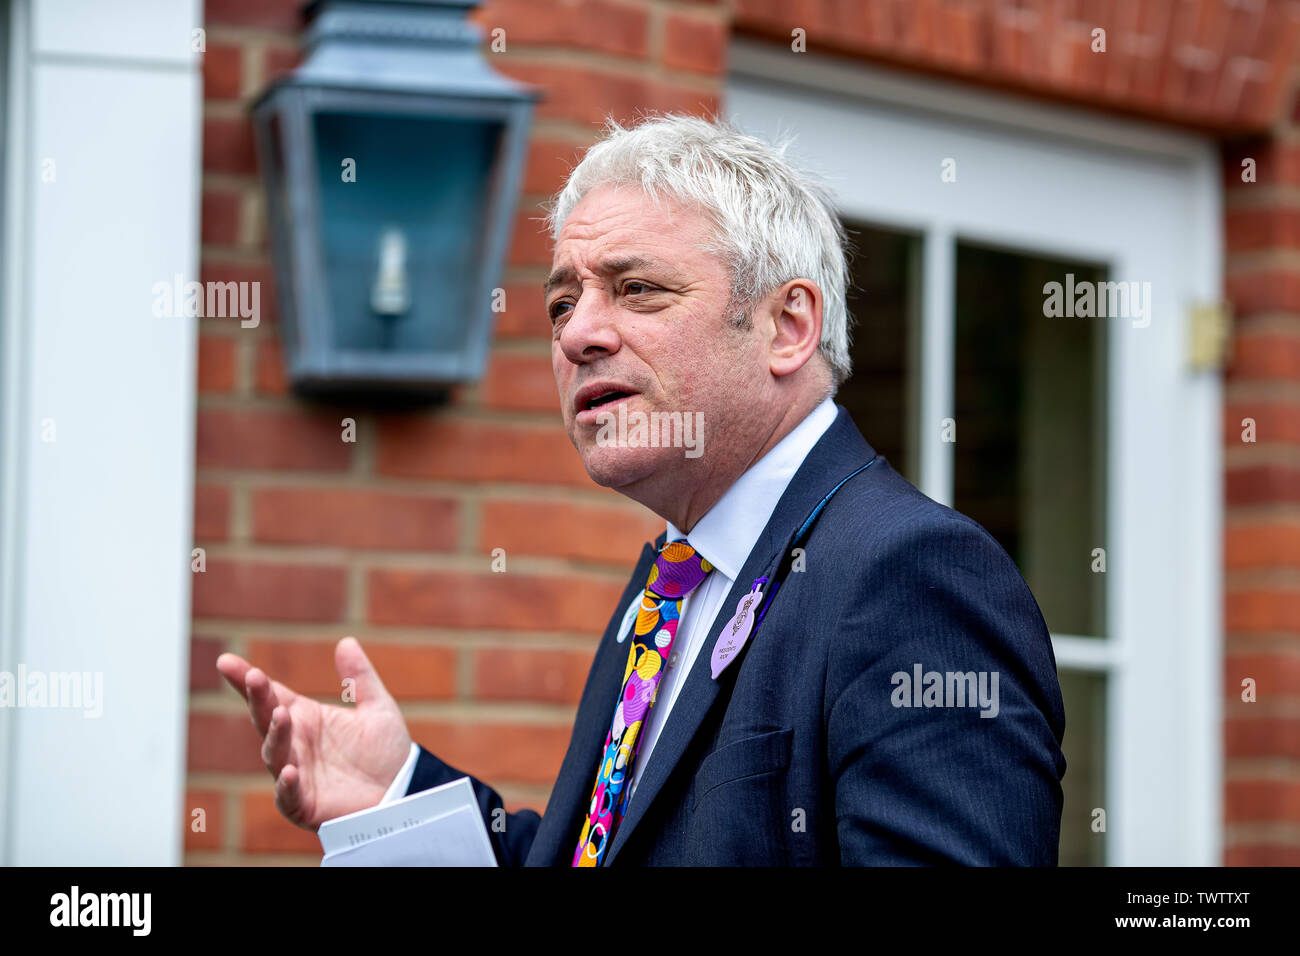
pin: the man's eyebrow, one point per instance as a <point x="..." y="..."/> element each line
<point x="566" y="276"/>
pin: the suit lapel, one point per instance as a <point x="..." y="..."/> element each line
<point x="840" y="450"/>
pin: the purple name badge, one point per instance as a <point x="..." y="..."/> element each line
<point x="734" y="635"/>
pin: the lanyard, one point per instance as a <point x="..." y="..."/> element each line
<point x="753" y="606"/>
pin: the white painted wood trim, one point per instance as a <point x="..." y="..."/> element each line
<point x="97" y="525"/>
<point x="13" y="379"/>
<point x="938" y="291"/>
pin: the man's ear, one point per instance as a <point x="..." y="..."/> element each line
<point x="796" y="313"/>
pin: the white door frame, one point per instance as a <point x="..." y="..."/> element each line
<point x="95" y="525"/>
<point x="1147" y="202"/>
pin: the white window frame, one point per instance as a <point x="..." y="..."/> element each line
<point x="1146" y="201"/>
<point x="14" y="77"/>
<point x="95" y="528"/>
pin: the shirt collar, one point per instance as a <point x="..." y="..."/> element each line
<point x="729" y="530"/>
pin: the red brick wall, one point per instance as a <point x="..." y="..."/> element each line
<point x="1216" y="64"/>
<point x="1262" y="508"/>
<point x="389" y="539"/>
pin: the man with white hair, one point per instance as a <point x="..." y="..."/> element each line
<point x="815" y="663"/>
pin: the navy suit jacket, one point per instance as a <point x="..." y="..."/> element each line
<point x="801" y="752"/>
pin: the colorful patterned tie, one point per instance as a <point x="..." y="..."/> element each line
<point x="676" y="573"/>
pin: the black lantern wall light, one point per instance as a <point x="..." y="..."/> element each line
<point x="391" y="159"/>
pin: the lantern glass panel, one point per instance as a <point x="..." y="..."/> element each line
<point x="402" y="245"/>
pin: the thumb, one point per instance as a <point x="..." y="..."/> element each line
<point x="351" y="662"/>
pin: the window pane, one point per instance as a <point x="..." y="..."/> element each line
<point x="423" y="174"/>
<point x="1085" y="765"/>
<point x="882" y="394"/>
<point x="1029" y="459"/>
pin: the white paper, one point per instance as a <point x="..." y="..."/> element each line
<point x="438" y="827"/>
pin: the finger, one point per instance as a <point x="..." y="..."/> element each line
<point x="261" y="699"/>
<point x="351" y="661"/>
<point x="277" y="745"/>
<point x="288" y="794"/>
<point x="284" y="696"/>
<point x="234" y="669"/>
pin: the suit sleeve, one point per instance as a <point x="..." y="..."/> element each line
<point x="918" y="778"/>
<point x="511" y="833"/>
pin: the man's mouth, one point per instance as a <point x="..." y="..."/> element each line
<point x="607" y="398"/>
<point x="591" y="399"/>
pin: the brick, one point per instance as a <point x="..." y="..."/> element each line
<point x="211" y="512"/>
<point x="1145" y="87"/>
<point x="546" y="676"/>
<point x="1274" y="422"/>
<point x="213" y="819"/>
<point x="851" y="26"/>
<point x="1262" y="737"/>
<point x="216" y="372"/>
<point x="269" y="375"/>
<point x="259" y="273"/>
<point x="530" y="242"/>
<point x="606" y="27"/>
<point x="228" y="145"/>
<point x="521" y="383"/>
<point x="269" y="14"/>
<point x="1271" y="356"/>
<point x="1262" y="544"/>
<point x="549" y="163"/>
<point x="1276" y="675"/>
<point x="352" y="518"/>
<point x="508" y="601"/>
<point x="222" y="68"/>
<point x="956" y="40"/>
<point x="267" y="438"/>
<point x="258" y="590"/>
<point x="278" y="61"/>
<point x="916" y="34"/>
<point x="204" y="652"/>
<point x="759" y="12"/>
<point x="590" y="96"/>
<point x="1263" y="228"/>
<point x="409" y="672"/>
<point x="1262" y="800"/>
<point x="225" y="743"/>
<point x="524" y="316"/>
<point x="1276" y="163"/>
<point x="1263" y="484"/>
<point x="221" y="212"/>
<point x="496" y="752"/>
<point x="696" y="44"/>
<point x="266" y="831"/>
<point x="1262" y="855"/>
<point x="1263" y="291"/>
<point x="1262" y="611"/>
<point x="580" y="532"/>
<point x="423" y="447"/>
<point x="1006" y="45"/>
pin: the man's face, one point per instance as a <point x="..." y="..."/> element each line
<point x="639" y="319"/>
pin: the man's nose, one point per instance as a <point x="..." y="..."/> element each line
<point x="591" y="331"/>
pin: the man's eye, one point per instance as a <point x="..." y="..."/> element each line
<point x="556" y="307"/>
<point x="636" y="287"/>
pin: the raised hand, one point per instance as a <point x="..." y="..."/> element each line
<point x="327" y="760"/>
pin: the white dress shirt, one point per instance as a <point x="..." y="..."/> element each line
<point x="725" y="536"/>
